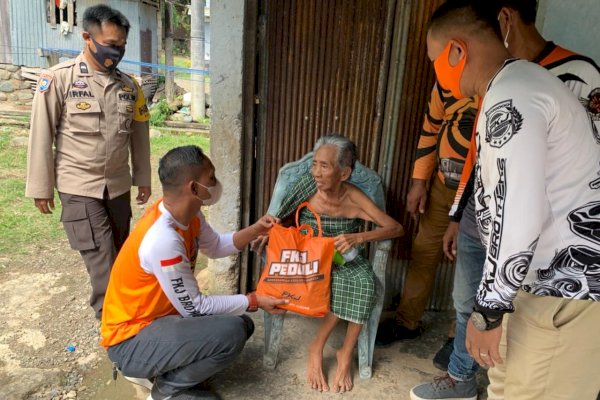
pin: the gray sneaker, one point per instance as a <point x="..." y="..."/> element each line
<point x="445" y="388"/>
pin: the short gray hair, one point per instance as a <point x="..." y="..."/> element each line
<point x="346" y="149"/>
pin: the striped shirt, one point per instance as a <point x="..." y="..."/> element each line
<point x="445" y="137"/>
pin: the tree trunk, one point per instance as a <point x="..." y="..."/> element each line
<point x="169" y="74"/>
<point x="197" y="55"/>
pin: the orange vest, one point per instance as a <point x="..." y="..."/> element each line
<point x="134" y="298"/>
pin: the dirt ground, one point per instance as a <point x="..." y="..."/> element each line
<point x="44" y="311"/>
<point x="49" y="343"/>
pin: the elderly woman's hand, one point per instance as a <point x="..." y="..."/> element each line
<point x="258" y="244"/>
<point x="345" y="242"/>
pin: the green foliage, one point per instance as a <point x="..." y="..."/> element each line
<point x="165" y="142"/>
<point x="181" y="20"/>
<point x="159" y="113"/>
<point x="23" y="229"/>
<point x="21" y="223"/>
<point x="205" y="121"/>
<point x="178" y="61"/>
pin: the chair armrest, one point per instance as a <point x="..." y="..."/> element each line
<point x="380" y="258"/>
<point x="384" y="245"/>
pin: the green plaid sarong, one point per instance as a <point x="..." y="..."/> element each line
<point x="353" y="284"/>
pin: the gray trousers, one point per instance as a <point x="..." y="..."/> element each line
<point x="97" y="228"/>
<point x="180" y="353"/>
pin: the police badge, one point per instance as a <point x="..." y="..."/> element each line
<point x="503" y="121"/>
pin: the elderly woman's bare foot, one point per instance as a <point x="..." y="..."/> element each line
<point x="343" y="376"/>
<point x="315" y="377"/>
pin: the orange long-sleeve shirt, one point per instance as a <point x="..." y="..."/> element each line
<point x="444" y="141"/>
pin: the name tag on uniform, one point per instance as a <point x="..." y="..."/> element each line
<point x="81" y="93"/>
<point x="126" y="97"/>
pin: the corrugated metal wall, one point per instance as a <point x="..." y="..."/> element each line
<point x="326" y="70"/>
<point x="30" y="31"/>
<point x="27" y="29"/>
<point x="148" y="23"/>
<point x="417" y="80"/>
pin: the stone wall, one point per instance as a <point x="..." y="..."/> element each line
<point x="13" y="87"/>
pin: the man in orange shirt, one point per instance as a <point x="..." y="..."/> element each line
<point x="442" y="148"/>
<point x="157" y="326"/>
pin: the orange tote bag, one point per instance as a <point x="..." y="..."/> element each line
<point x="298" y="267"/>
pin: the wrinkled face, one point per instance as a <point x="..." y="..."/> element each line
<point x="325" y="169"/>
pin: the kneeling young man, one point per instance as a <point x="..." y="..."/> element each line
<point x="156" y="324"/>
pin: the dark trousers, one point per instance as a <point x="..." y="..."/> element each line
<point x="97" y="228"/>
<point x="180" y="353"/>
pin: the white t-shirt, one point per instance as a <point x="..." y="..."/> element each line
<point x="163" y="254"/>
<point x="536" y="189"/>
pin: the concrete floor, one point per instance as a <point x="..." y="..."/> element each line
<point x="396" y="369"/>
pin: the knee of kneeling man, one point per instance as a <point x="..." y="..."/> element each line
<point x="235" y="333"/>
<point x="248" y="325"/>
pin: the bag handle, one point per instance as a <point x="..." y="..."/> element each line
<point x="301" y="206"/>
<point x="308" y="228"/>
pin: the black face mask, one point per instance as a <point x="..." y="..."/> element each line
<point x="107" y="56"/>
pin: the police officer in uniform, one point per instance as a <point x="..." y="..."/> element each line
<point x="87" y="119"/>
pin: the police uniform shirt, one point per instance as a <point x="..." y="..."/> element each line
<point x="84" y="126"/>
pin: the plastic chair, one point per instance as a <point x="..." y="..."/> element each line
<point x="370" y="183"/>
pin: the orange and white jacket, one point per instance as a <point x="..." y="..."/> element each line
<point x="153" y="275"/>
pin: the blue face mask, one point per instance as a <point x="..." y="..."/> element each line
<point x="107" y="56"/>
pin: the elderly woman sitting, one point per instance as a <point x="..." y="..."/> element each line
<point x="342" y="207"/>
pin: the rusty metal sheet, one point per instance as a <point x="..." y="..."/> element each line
<point x="417" y="80"/>
<point x="324" y="63"/>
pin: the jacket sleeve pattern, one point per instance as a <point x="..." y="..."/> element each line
<point x="510" y="195"/>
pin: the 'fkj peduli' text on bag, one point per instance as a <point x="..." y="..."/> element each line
<point x="298" y="267"/>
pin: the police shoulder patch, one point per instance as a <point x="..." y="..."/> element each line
<point x="45" y="82"/>
<point x="503" y="121"/>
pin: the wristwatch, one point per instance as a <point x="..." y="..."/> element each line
<point x="483" y="323"/>
<point x="252" y="302"/>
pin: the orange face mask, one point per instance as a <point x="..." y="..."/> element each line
<point x="449" y="76"/>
